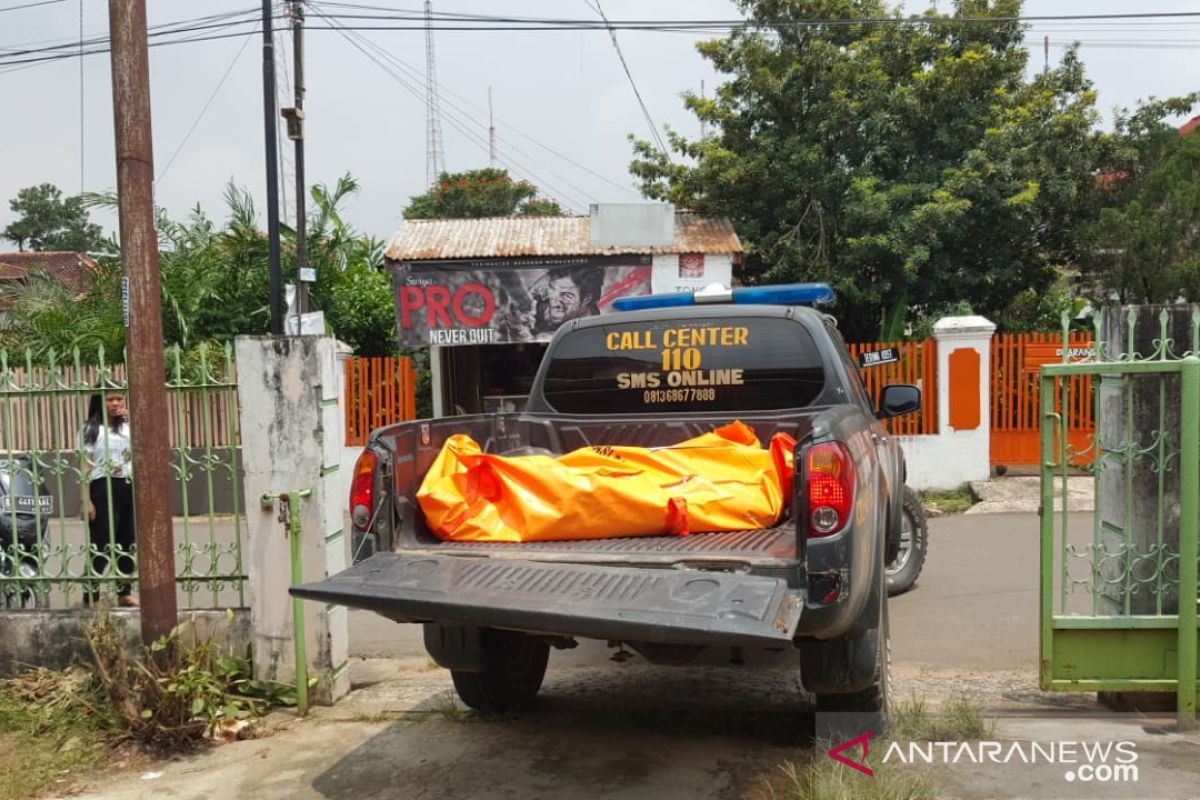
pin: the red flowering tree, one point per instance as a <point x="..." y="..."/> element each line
<point x="480" y="193"/>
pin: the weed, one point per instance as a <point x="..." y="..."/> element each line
<point x="911" y="720"/>
<point x="177" y="694"/>
<point x="54" y="726"/>
<point x="826" y="779"/>
<point x="948" y="501"/>
<point x="958" y="720"/>
<point x="447" y="707"/>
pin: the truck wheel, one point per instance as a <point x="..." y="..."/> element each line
<point x="513" y="667"/>
<point x="904" y="569"/>
<point x="874" y="699"/>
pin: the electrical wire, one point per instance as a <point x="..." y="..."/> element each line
<point x="452" y="118"/>
<point x="418" y="77"/>
<point x="465" y="107"/>
<point x="206" y="106"/>
<point x="31" y="5"/>
<point x="628" y="74"/>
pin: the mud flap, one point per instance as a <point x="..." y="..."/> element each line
<point x="598" y="602"/>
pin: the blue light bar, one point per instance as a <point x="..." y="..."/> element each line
<point x="789" y="294"/>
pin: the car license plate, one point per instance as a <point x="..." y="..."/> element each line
<point x="27" y="505"/>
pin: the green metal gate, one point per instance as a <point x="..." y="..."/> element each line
<point x="1118" y="585"/>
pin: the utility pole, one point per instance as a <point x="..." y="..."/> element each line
<point x="276" y="274"/>
<point x="144" y="342"/>
<point x="295" y="124"/>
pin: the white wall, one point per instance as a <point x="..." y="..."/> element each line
<point x="664" y="276"/>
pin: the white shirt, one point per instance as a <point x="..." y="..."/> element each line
<point x="111" y="454"/>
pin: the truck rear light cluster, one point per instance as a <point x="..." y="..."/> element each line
<point x="829" y="487"/>
<point x="362" y="490"/>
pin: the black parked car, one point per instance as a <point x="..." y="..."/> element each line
<point x="25" y="512"/>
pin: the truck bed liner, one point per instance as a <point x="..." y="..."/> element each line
<point x="764" y="546"/>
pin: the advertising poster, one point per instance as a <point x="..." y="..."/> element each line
<point x="499" y="301"/>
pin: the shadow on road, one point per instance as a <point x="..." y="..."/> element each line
<point x="634" y="731"/>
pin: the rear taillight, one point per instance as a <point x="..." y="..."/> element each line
<point x="362" y="490"/>
<point x="829" y="486"/>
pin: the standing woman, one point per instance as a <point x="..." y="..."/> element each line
<point x="110" y="463"/>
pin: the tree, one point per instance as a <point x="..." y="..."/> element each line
<point x="44" y="316"/>
<point x="50" y="222"/>
<point x="480" y="193"/>
<point x="910" y="166"/>
<point x="1147" y="243"/>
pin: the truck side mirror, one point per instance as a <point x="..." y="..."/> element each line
<point x="898" y="399"/>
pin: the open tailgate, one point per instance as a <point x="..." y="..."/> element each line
<point x="590" y="601"/>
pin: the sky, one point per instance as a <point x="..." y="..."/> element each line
<point x="563" y="105"/>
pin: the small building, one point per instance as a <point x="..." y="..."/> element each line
<point x="73" y="270"/>
<point x="485" y="295"/>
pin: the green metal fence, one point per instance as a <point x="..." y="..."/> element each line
<point x="1119" y="583"/>
<point x="51" y="554"/>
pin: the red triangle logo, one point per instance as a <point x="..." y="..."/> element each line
<point x="836" y="753"/>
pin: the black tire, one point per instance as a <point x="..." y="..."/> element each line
<point x="874" y="700"/>
<point x="513" y="668"/>
<point x="905" y="568"/>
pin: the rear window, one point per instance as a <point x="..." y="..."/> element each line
<point x="754" y="364"/>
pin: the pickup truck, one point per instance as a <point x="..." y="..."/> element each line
<point x="814" y="583"/>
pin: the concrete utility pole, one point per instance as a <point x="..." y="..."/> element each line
<point x="295" y="123"/>
<point x="144" y="341"/>
<point x="276" y="276"/>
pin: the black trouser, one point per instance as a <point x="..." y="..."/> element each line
<point x="122" y="530"/>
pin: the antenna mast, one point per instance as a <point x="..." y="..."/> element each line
<point x="435" y="160"/>
<point x="491" y="132"/>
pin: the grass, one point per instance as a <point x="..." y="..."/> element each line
<point x="54" y="730"/>
<point x="822" y="778"/>
<point x="958" y="720"/>
<point x="948" y="501"/>
<point x="825" y="779"/>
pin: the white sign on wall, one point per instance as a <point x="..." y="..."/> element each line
<point x="690" y="272"/>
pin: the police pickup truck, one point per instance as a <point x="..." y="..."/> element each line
<point x="664" y="369"/>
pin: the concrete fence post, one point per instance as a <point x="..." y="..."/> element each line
<point x="292" y="432"/>
<point x="961" y="450"/>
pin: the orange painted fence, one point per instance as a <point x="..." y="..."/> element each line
<point x="379" y="391"/>
<point x="1016" y="359"/>
<point x="917" y="365"/>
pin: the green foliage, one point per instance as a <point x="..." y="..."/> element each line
<point x="44" y="316"/>
<point x="905" y="165"/>
<point x="180" y="690"/>
<point x="948" y="501"/>
<point x="480" y="193"/>
<point x="1146" y="240"/>
<point x="353" y="288"/>
<point x="50" y="222"/>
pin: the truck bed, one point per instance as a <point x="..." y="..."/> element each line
<point x="413" y="446"/>
<point x="766" y="547"/>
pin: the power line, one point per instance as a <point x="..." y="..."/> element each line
<point x="465" y="107"/>
<point x="207" y="22"/>
<point x="13" y="65"/>
<point x="415" y="88"/>
<point x="206" y="106"/>
<point x="31" y="5"/>
<point x="466" y="115"/>
<point x="628" y="74"/>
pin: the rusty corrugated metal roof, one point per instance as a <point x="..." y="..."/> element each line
<point x="509" y="237"/>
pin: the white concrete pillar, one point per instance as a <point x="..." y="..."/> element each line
<point x="292" y="432"/>
<point x="961" y="449"/>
